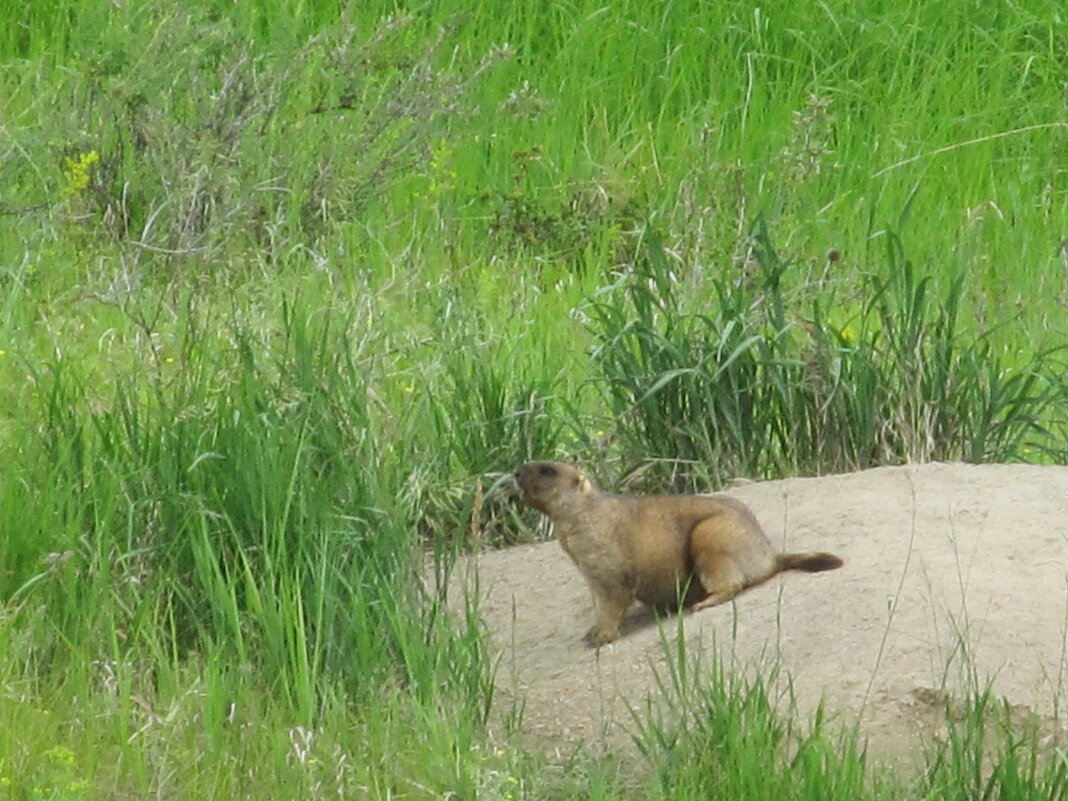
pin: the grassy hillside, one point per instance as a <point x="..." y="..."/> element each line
<point x="286" y="288"/>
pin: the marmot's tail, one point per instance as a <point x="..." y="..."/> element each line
<point x="809" y="562"/>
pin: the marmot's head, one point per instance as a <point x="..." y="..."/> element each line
<point x="552" y="487"/>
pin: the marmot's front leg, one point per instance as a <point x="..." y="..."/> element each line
<point x="610" y="603"/>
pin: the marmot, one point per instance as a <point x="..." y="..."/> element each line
<point x="666" y="551"/>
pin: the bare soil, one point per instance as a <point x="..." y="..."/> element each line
<point x="955" y="576"/>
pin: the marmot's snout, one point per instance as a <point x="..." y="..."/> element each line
<point x="542" y="483"/>
<point x="532" y="473"/>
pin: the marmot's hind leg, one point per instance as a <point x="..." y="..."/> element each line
<point x="727" y="586"/>
<point x="713" y="565"/>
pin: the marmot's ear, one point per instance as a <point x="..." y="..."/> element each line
<point x="581" y="482"/>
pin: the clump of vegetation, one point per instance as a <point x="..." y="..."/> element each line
<point x="764" y="385"/>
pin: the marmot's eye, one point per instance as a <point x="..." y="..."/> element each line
<point x="547" y="470"/>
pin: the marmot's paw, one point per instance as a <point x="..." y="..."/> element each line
<point x="595" y="639"/>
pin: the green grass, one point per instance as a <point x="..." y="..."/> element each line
<point x="285" y="290"/>
<point x="745" y="390"/>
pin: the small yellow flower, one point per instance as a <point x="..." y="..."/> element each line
<point x="442" y="176"/>
<point x="78" y="172"/>
<point x="169" y="360"/>
<point x="59" y="754"/>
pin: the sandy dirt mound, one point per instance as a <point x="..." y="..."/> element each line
<point x="936" y="555"/>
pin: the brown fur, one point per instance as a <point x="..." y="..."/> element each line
<point x="665" y="551"/>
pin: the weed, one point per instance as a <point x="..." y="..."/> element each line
<point x="732" y="390"/>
